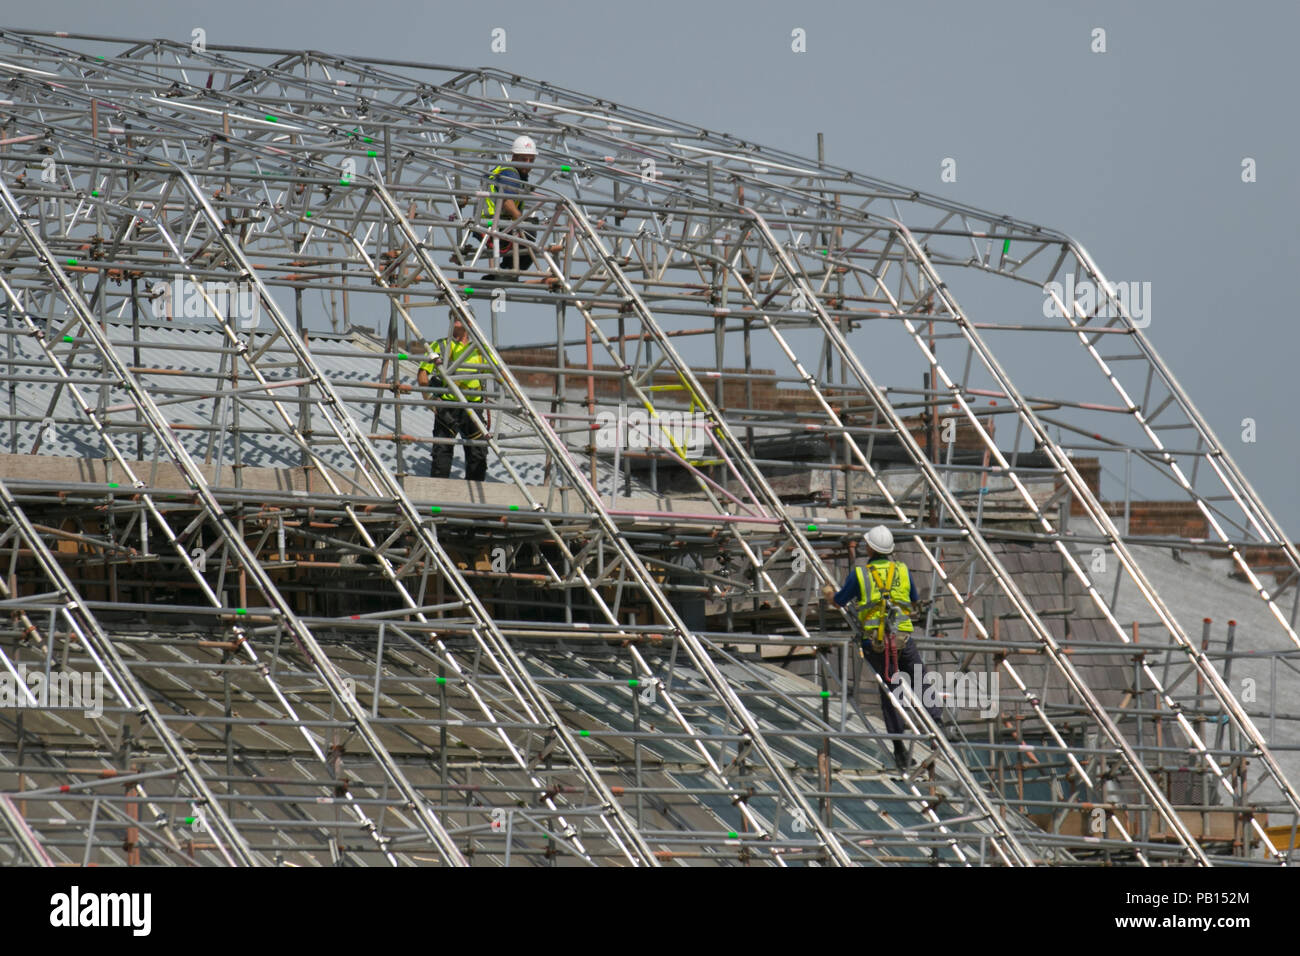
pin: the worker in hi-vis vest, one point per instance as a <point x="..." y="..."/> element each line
<point x="456" y="358"/>
<point x="507" y="185"/>
<point x="886" y="594"/>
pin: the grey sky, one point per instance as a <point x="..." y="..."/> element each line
<point x="1136" y="152"/>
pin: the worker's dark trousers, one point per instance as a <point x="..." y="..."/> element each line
<point x="508" y="256"/>
<point x="507" y="251"/>
<point x="448" y="423"/>
<point x="909" y="662"/>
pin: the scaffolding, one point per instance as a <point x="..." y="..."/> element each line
<point x="214" y="499"/>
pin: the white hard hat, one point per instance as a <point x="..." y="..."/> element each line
<point x="524" y="146"/>
<point x="880" y="539"/>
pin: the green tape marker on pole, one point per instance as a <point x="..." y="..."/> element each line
<point x="436" y="509"/>
<point x="812" y="527"/>
<point x="1006" y="246"/>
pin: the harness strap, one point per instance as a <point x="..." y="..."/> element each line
<point x="886" y="590"/>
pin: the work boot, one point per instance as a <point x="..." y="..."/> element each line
<point x="900" y="756"/>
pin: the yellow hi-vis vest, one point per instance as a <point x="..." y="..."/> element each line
<point x="451" y="352"/>
<point x="489" y="204"/>
<point x="888" y="579"/>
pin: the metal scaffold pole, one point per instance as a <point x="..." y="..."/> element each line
<point x="700" y="371"/>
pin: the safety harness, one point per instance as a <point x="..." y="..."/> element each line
<point x="884" y="613"/>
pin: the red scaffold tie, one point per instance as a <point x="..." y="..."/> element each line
<point x="891" y="656"/>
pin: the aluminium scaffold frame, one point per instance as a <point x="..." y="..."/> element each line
<point x="291" y="172"/>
